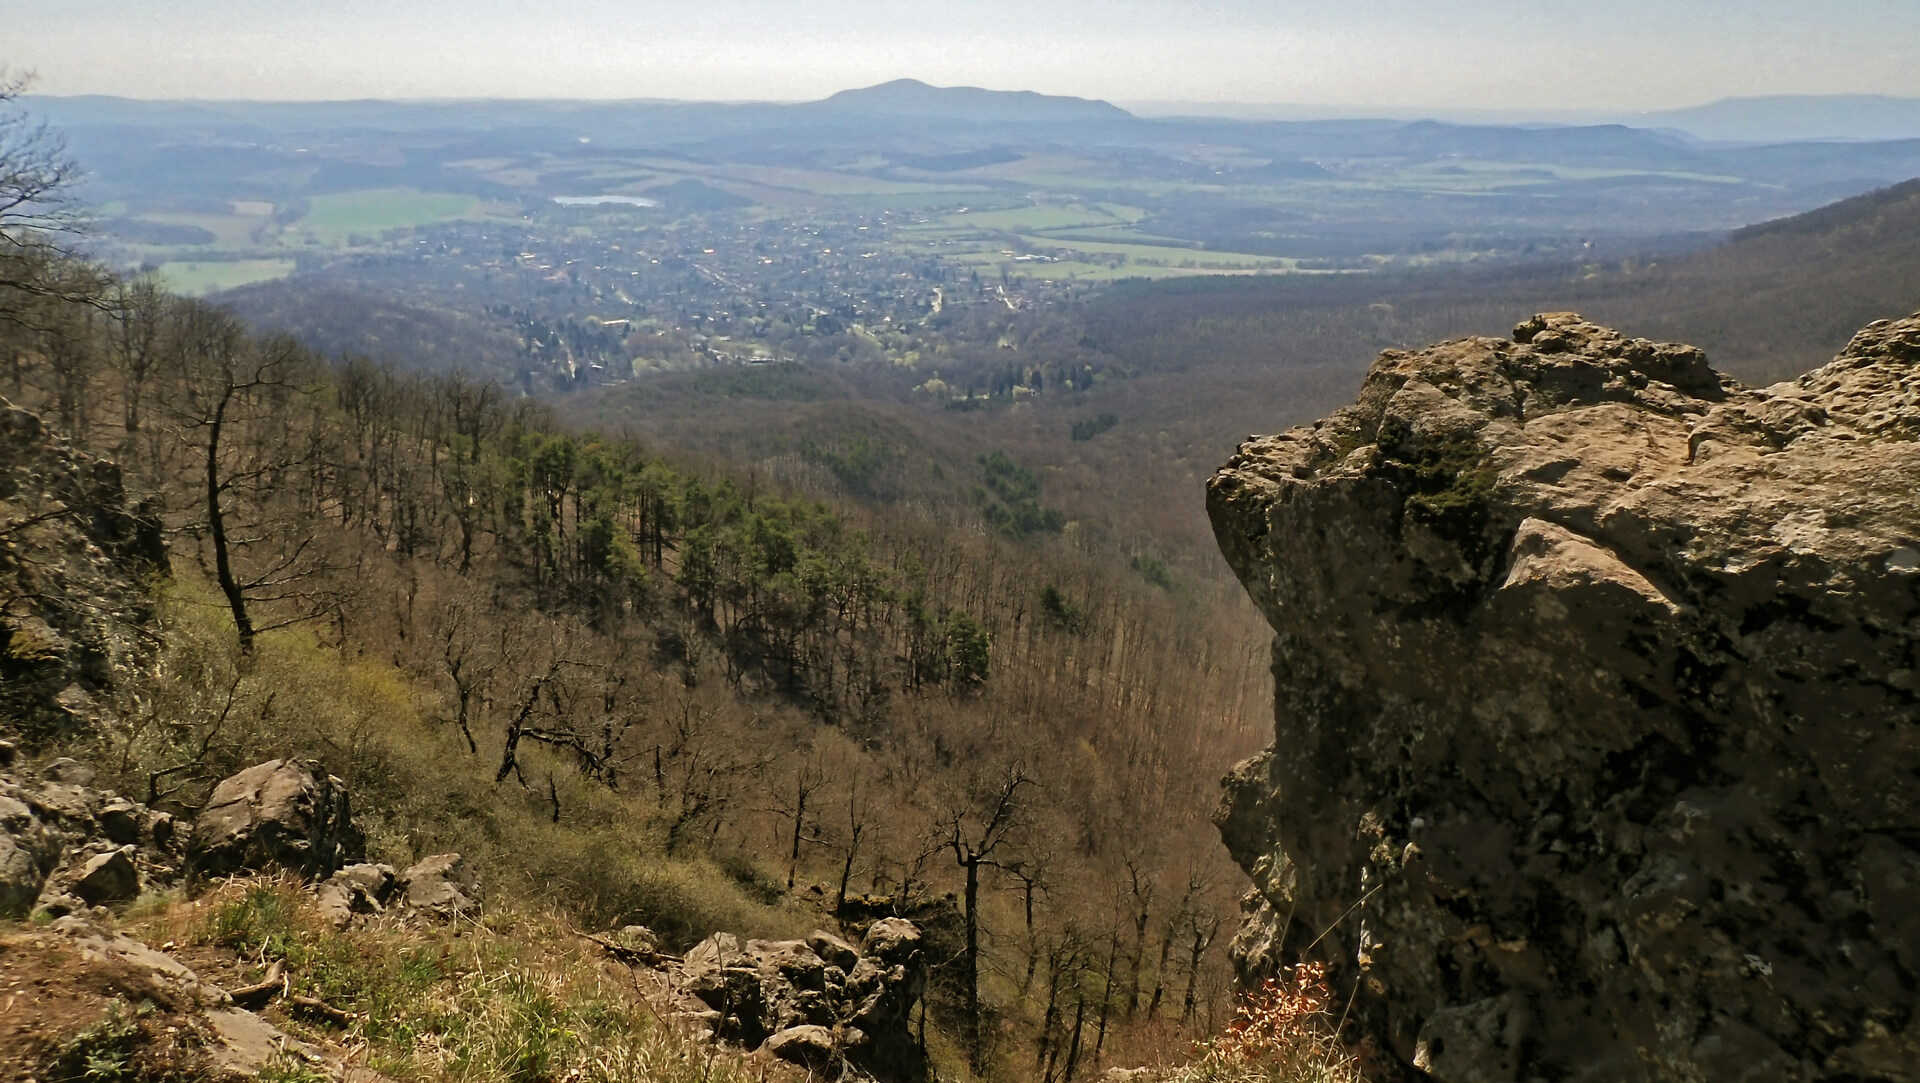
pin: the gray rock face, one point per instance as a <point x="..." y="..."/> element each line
<point x="77" y="610"/>
<point x="438" y="887"/>
<point x="107" y="878"/>
<point x="817" y="1001"/>
<point x="69" y="771"/>
<point x="276" y="814"/>
<point x="356" y="890"/>
<point x="811" y="1047"/>
<point x="1598" y="692"/>
<point x="440" y="884"/>
<point x="120" y="820"/>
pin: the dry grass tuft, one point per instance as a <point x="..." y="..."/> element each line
<point x="1283" y="1032"/>
<point x="513" y="998"/>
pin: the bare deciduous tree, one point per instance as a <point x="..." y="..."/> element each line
<point x="231" y="408"/>
<point x="140" y="310"/>
<point x="806" y="780"/>
<point x="975" y="832"/>
<point x="38" y="216"/>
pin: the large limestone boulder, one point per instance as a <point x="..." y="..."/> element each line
<point x="107" y="878"/>
<point x="1597" y="708"/>
<point x="440" y="887"/>
<point x="355" y="891"/>
<point x="887" y="980"/>
<point x="278" y="814"/>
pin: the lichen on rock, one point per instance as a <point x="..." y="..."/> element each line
<point x="1598" y="692"/>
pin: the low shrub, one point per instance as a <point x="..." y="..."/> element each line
<point x="1283" y="1032"/>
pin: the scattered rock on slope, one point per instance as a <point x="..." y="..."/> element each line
<point x="1598" y="688"/>
<point x="817" y="1001"/>
<point x="439" y="886"/>
<point x="65" y="846"/>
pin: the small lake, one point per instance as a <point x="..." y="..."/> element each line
<point x="597" y="201"/>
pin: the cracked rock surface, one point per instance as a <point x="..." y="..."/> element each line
<point x="819" y="1002"/>
<point x="1598" y="689"/>
<point x="75" y="555"/>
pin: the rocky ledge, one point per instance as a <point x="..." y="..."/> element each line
<point x="1597" y="701"/>
<point x="75" y="555"/>
<point x="820" y="1003"/>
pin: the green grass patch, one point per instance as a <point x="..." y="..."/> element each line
<point x="1152" y="254"/>
<point x="1038" y="217"/>
<point x="101" y="1053"/>
<point x="922" y="199"/>
<point x="230" y="231"/>
<point x="334" y="218"/>
<point x="198" y="277"/>
<point x="514" y="998"/>
<point x="1113" y="235"/>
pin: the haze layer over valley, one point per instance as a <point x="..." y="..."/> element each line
<point x="516" y="588"/>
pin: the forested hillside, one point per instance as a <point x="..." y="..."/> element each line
<point x="788" y="615"/>
<point x="1176" y="372"/>
<point x="645" y="688"/>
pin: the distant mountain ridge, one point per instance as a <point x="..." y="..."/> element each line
<point x="911" y="97"/>
<point x="1795" y="118"/>
<point x="1771" y="120"/>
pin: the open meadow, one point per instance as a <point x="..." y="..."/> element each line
<point x="198" y="277"/>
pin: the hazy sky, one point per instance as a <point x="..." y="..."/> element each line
<point x="1527" y="54"/>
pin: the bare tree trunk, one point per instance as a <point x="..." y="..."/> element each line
<point x="801" y="792"/>
<point x="1073" y="1046"/>
<point x="1160" y="971"/>
<point x="1106" y="996"/>
<point x="975" y="1055"/>
<point x="856" y="826"/>
<point x="1203" y="935"/>
<point x="217" y="530"/>
<point x="1049" y="1051"/>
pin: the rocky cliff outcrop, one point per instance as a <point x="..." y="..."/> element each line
<point x="74" y="555"/>
<point x="1597" y="737"/>
<point x="820" y="1002"/>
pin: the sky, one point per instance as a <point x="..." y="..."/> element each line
<point x="1474" y="54"/>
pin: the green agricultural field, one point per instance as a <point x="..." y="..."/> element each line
<point x="230" y="231"/>
<point x="335" y="217"/>
<point x="1096" y="272"/>
<point x="1034" y="165"/>
<point x="1123" y="212"/>
<point x="197" y="277"/>
<point x="1466" y="176"/>
<point x="1113" y="235"/>
<point x="922" y="199"/>
<point x="824" y="183"/>
<point x="1105" y="260"/>
<point x="1161" y="254"/>
<point x="1034" y="218"/>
